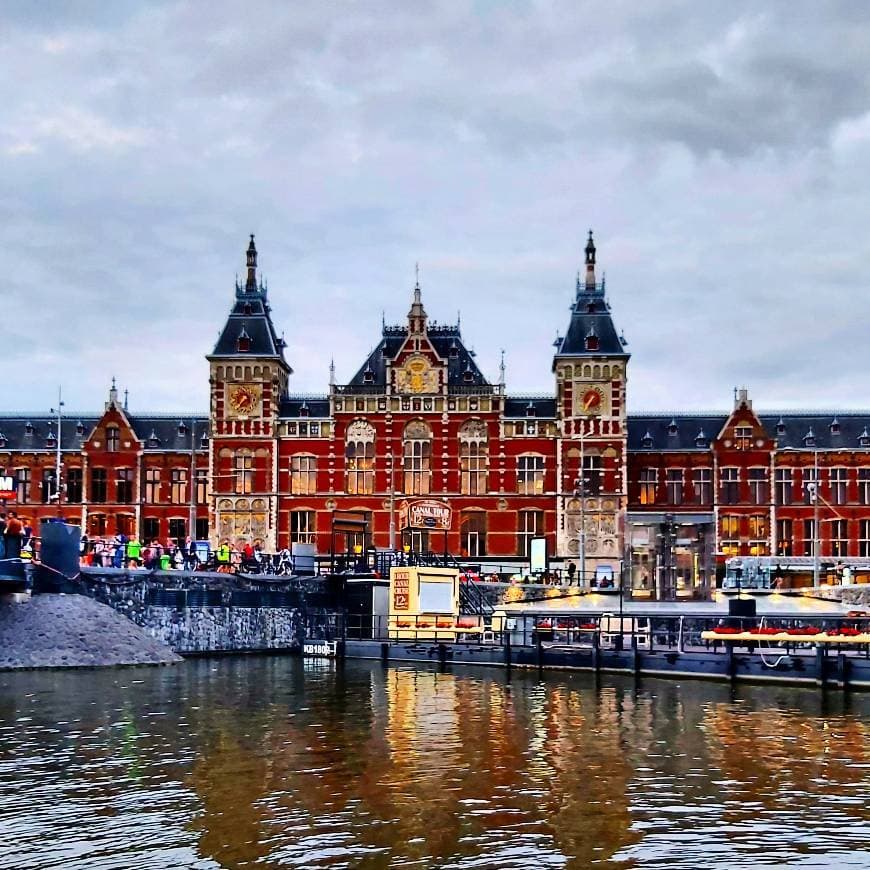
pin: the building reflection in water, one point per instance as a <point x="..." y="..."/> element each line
<point x="275" y="763"/>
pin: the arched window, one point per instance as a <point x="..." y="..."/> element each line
<point x="243" y="471"/>
<point x="359" y="453"/>
<point x="417" y="458"/>
<point x="473" y="453"/>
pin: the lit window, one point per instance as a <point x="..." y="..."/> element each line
<point x="359" y="454"/>
<point x="417" y="458"/>
<point x="178" y="488"/>
<point x="473" y="452"/>
<point x="303" y="475"/>
<point x="530" y="475"/>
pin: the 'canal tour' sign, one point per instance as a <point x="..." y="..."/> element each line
<point x="427" y="513"/>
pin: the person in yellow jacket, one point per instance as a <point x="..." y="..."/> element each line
<point x="133" y="553"/>
<point x="223" y="557"/>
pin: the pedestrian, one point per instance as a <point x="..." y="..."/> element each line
<point x="2" y="535"/>
<point x="12" y="536"/>
<point x="572" y="570"/>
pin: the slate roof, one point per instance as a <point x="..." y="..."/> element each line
<point x="250" y="316"/>
<point x="448" y="344"/>
<point x="294" y="407"/>
<point x="590" y="316"/>
<point x="76" y="429"/>
<point x="830" y="430"/>
<point x="518" y="407"/>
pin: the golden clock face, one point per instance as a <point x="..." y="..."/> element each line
<point x="244" y="400"/>
<point x="591" y="401"/>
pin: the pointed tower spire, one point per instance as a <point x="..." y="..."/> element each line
<point x="501" y="369"/>
<point x="332" y="373"/>
<point x="251" y="283"/>
<point x="113" y="395"/>
<point x="590" y="263"/>
<point x="417" y="314"/>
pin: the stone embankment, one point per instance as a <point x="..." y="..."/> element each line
<point x="852" y="596"/>
<point x="63" y="631"/>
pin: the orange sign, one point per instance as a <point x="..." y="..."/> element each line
<point x="401" y="589"/>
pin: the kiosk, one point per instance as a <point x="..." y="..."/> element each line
<point x="424" y="605"/>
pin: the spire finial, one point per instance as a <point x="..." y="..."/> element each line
<point x="251" y="283"/>
<point x="126" y="397"/>
<point x="331" y="372"/>
<point x="590" y="263"/>
<point x="501" y="369"/>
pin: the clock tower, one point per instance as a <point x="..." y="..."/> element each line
<point x="248" y="377"/>
<point x="590" y="366"/>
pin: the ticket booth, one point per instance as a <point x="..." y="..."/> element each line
<point x="424" y="605"/>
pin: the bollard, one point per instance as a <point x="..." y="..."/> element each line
<point x="507" y="649"/>
<point x="843" y="665"/>
<point x="635" y="655"/>
<point x="820" y="665"/>
<point x="596" y="652"/>
<point x="385" y="652"/>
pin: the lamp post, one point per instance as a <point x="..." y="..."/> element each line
<point x="57" y="457"/>
<point x="191" y="522"/>
<point x="580" y="494"/>
<point x="391" y="467"/>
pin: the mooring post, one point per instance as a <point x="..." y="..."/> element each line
<point x="843" y="665"/>
<point x="820" y="665"/>
<point x="442" y="655"/>
<point x="385" y="652"/>
<point x="507" y="649"/>
<point x="596" y="652"/>
<point x="635" y="655"/>
<point x="540" y="652"/>
<point x="732" y="661"/>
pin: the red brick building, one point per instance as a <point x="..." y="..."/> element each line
<point x="664" y="495"/>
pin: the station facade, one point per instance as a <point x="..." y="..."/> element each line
<point x="663" y="497"/>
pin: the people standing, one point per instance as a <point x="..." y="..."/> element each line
<point x="2" y="535"/>
<point x="12" y="536"/>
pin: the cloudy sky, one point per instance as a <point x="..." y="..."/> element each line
<point x="721" y="152"/>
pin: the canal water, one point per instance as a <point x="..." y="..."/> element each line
<point x="275" y="762"/>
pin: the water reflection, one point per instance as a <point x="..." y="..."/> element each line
<point x="272" y="762"/>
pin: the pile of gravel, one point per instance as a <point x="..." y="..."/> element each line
<point x="73" y="631"/>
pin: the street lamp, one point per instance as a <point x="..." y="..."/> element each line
<point x="57" y="463"/>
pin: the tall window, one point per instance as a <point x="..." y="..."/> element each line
<point x="811" y="480"/>
<point x="864" y="540"/>
<point x="74" y="485"/>
<point x="758" y="526"/>
<point x="124" y="486"/>
<point x="472" y="533"/>
<point x="758" y="489"/>
<point x="113" y="439"/>
<point x="702" y="485"/>
<point x="359" y="455"/>
<point x="49" y="485"/>
<point x="591" y="474"/>
<point x="649" y="482"/>
<point x="531" y="525"/>
<point x="302" y="527"/>
<point x="784" y="533"/>
<point x="98" y="485"/>
<point x="839" y="538"/>
<point x="839" y="481"/>
<point x="864" y="485"/>
<point x="178" y="487"/>
<point x="243" y="472"/>
<point x="729" y="526"/>
<point x="743" y="437"/>
<point x="809" y="540"/>
<point x="472" y="457"/>
<point x="418" y="458"/>
<point x="178" y="529"/>
<point x="530" y="475"/>
<point x="201" y="486"/>
<point x="730" y="485"/>
<point x="303" y="475"/>
<point x="152" y="485"/>
<point x="151" y="528"/>
<point x="23" y="493"/>
<point x="674" y="485"/>
<point x="783" y="485"/>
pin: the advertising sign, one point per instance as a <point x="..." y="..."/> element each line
<point x="538" y="555"/>
<point x="7" y="487"/>
<point x="427" y="513"/>
<point x="401" y="589"/>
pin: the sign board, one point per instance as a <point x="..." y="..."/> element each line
<point x="319" y="648"/>
<point x="427" y="513"/>
<point x="7" y="487"/>
<point x="401" y="580"/>
<point x="538" y="555"/>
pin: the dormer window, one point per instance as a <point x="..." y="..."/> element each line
<point x="28" y="428"/>
<point x="80" y="428"/>
<point x="646" y="440"/>
<point x="590" y="308"/>
<point x="591" y="342"/>
<point x="247" y="310"/>
<point x="182" y="427"/>
<point x="2" y="440"/>
<point x="243" y="343"/>
<point x="672" y="427"/>
<point x="835" y="426"/>
<point x="454" y="349"/>
<point x="203" y="442"/>
<point x="468" y="376"/>
<point x="864" y="438"/>
<point x="304" y="411"/>
<point x="780" y="426"/>
<point x="700" y="439"/>
<point x="153" y="440"/>
<point x="368" y="376"/>
<point x="743" y="437"/>
<point x="50" y="440"/>
<point x="810" y="438"/>
<point x="531" y="411"/>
